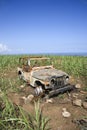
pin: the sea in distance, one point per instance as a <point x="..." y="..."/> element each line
<point x="60" y="54"/>
<point x="69" y="54"/>
<point x="55" y="54"/>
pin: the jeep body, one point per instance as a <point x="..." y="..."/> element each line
<point x="44" y="78"/>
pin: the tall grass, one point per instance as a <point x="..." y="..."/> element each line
<point x="10" y="84"/>
<point x="73" y="65"/>
<point x="13" y="117"/>
<point x="8" y="73"/>
<point x="76" y="65"/>
<point x="8" y="61"/>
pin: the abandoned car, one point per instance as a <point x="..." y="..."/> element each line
<point x="39" y="73"/>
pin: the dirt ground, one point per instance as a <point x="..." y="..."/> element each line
<point x="54" y="110"/>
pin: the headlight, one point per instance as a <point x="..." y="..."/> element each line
<point x="52" y="81"/>
<point x="67" y="78"/>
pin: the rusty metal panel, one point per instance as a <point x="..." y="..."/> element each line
<point x="45" y="74"/>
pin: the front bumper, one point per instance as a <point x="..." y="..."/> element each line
<point x="64" y="89"/>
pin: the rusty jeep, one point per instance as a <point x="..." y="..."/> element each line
<point x="40" y="74"/>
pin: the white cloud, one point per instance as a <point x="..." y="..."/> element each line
<point x="4" y="48"/>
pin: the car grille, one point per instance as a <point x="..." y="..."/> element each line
<point x="60" y="81"/>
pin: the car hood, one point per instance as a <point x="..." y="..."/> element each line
<point x="46" y="74"/>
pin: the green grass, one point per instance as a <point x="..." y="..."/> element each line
<point x="13" y="117"/>
<point x="73" y="65"/>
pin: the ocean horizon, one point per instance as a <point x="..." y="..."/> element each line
<point x="69" y="54"/>
<point x="56" y="54"/>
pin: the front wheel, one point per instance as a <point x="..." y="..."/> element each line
<point x="38" y="90"/>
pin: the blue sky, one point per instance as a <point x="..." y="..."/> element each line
<point x="43" y="26"/>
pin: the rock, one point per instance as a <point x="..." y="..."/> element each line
<point x="75" y="95"/>
<point x="83" y="92"/>
<point x="65" y="113"/>
<point x="77" y="102"/>
<point x="49" y="100"/>
<point x="25" y="99"/>
<point x="30" y="97"/>
<point x="78" y="86"/>
<point x="84" y="104"/>
<point x="22" y="86"/>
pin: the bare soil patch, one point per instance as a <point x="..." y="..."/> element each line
<point x="53" y="110"/>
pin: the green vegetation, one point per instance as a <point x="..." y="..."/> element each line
<point x="13" y="116"/>
<point x="73" y="65"/>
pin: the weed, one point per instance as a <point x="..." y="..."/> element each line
<point x="14" y="117"/>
